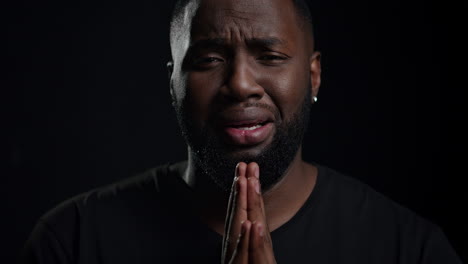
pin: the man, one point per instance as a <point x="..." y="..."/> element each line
<point x="243" y="77"/>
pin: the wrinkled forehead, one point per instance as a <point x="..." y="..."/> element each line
<point x="235" y="21"/>
<point x="243" y="18"/>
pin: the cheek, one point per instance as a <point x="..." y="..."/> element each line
<point x="201" y="91"/>
<point x="287" y="88"/>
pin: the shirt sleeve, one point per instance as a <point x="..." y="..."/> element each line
<point x="439" y="250"/>
<point x="44" y="246"/>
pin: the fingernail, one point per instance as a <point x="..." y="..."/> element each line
<point x="236" y="172"/>
<point x="260" y="230"/>
<point x="234" y="184"/>
<point x="257" y="172"/>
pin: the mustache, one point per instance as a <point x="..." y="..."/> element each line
<point x="261" y="107"/>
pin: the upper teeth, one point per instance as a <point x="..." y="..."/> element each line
<point x="250" y="128"/>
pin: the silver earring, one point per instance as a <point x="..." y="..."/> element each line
<point x="315" y="99"/>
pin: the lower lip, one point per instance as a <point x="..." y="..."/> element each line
<point x="256" y="136"/>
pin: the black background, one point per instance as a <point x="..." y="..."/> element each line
<point x="87" y="103"/>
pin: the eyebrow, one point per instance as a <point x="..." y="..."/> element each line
<point x="267" y="42"/>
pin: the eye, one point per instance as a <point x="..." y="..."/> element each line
<point x="272" y="59"/>
<point x="204" y="62"/>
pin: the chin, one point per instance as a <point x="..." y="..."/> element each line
<point x="245" y="153"/>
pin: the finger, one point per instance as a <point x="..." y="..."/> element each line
<point x="254" y="197"/>
<point x="240" y="169"/>
<point x="241" y="252"/>
<point x="229" y="214"/>
<point x="259" y="250"/>
<point x="238" y="212"/>
<point x="257" y="253"/>
<point x="256" y="207"/>
<point x="232" y="197"/>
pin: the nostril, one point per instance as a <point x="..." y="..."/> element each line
<point x="242" y="81"/>
<point x="244" y="89"/>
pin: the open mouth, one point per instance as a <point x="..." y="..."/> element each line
<point x="248" y="133"/>
<point x="246" y="127"/>
<point x="251" y="126"/>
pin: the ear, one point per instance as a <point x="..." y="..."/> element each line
<point x="315" y="73"/>
<point x="170" y="70"/>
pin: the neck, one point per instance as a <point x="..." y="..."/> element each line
<point x="282" y="201"/>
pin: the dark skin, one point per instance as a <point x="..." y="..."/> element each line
<point x="263" y="54"/>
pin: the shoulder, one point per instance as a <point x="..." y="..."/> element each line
<point x="356" y="197"/>
<point x="118" y="194"/>
<point x="104" y="206"/>
<point x="77" y="227"/>
<point x="379" y="223"/>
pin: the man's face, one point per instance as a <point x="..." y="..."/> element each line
<point x="241" y="83"/>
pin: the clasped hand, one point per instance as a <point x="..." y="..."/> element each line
<point x="246" y="234"/>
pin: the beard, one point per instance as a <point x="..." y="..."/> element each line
<point x="216" y="161"/>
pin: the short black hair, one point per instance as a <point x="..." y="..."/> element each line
<point x="302" y="9"/>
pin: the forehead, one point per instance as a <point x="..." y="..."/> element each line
<point x="241" y="19"/>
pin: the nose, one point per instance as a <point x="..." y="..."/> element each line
<point x="241" y="84"/>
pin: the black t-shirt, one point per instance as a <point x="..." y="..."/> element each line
<point x="147" y="219"/>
